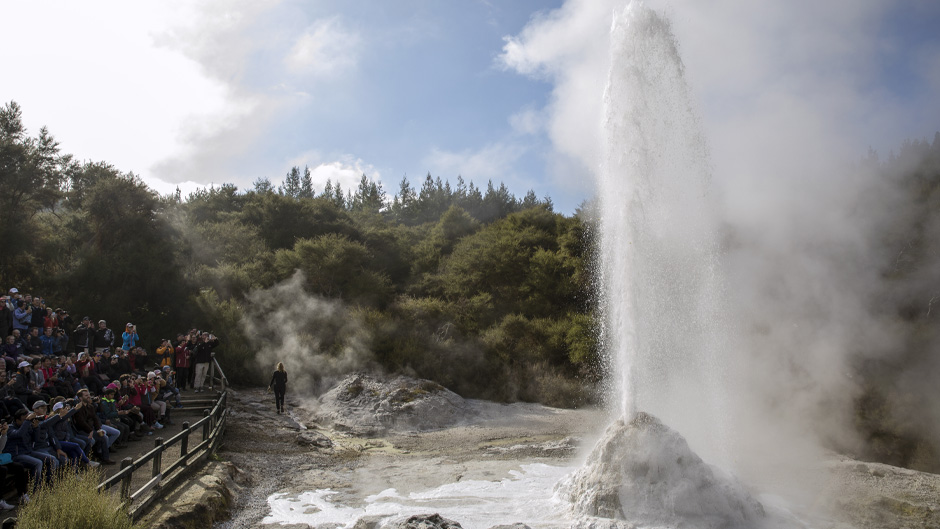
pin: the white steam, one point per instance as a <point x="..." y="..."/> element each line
<point x="319" y="340"/>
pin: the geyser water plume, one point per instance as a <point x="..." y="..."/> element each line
<point x="658" y="258"/>
<point x="658" y="250"/>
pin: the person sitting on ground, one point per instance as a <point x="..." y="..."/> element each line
<point x="8" y="469"/>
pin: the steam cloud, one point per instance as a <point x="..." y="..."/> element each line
<point x="318" y="340"/>
<point x="786" y="108"/>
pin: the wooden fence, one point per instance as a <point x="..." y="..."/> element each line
<point x="197" y="442"/>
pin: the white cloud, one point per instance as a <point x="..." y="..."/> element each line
<point x="492" y="162"/>
<point x="347" y="172"/>
<point x="569" y="46"/>
<point x="325" y="48"/>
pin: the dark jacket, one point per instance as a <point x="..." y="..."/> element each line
<point x="279" y="380"/>
<point x="86" y="419"/>
<point x="202" y="353"/>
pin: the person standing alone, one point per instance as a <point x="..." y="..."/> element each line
<point x="279" y="385"/>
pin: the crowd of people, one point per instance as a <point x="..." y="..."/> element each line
<point x="71" y="395"/>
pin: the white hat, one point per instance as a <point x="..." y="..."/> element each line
<point x="58" y="406"/>
<point x="151" y="375"/>
<point x="22" y="364"/>
<point x="14" y="291"/>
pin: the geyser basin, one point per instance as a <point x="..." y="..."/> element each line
<point x="645" y="473"/>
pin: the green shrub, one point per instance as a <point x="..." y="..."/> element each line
<point x="73" y="501"/>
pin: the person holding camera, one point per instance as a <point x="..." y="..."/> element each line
<point x="130" y="337"/>
<point x="84" y="336"/>
<point x="10" y="468"/>
<point x="183" y="355"/>
<point x="87" y="423"/>
<point x="202" y="355"/>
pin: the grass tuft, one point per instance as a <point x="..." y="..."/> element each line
<point x="72" y="501"/>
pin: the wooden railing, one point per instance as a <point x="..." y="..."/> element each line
<point x="207" y="432"/>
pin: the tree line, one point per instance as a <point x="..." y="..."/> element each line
<point x="484" y="292"/>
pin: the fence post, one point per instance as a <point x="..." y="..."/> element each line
<point x="212" y="371"/>
<point x="126" y="480"/>
<point x="205" y="425"/>
<point x="158" y="458"/>
<point x="184" y="442"/>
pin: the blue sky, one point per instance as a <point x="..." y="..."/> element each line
<point x="194" y="93"/>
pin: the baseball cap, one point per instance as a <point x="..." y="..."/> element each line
<point x="39" y="403"/>
<point x="24" y="363"/>
<point x="58" y="406"/>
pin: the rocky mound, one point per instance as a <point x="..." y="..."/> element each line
<point x="368" y="406"/>
<point x="644" y="473"/>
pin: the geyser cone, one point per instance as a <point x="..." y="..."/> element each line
<point x="644" y="472"/>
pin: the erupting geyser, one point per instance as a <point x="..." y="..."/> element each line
<point x="658" y="263"/>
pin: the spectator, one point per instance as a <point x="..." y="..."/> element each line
<point x="130" y="337"/>
<point x="33" y="342"/>
<point x="10" y="352"/>
<point x="164" y="354"/>
<point x="51" y="320"/>
<point x="48" y="342"/>
<point x="6" y="317"/>
<point x="25" y="386"/>
<point x="45" y="442"/>
<point x="18" y="445"/>
<point x="112" y="416"/>
<point x="84" y="336"/>
<point x="169" y="390"/>
<point x="22" y="316"/>
<point x="9" y="468"/>
<point x="88" y="373"/>
<point x="63" y="429"/>
<point x="202" y="355"/>
<point x="104" y="337"/>
<point x="61" y="341"/>
<point x="38" y="314"/>
<point x="141" y="360"/>
<point x="9" y="403"/>
<point x="183" y="354"/>
<point x="87" y="423"/>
